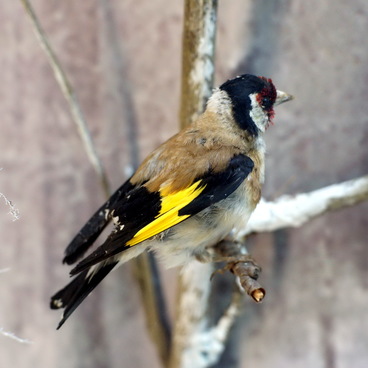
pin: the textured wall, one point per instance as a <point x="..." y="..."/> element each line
<point x="124" y="60"/>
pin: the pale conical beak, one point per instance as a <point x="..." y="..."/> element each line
<point x="282" y="97"/>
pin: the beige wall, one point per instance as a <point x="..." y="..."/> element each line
<point x="124" y="59"/>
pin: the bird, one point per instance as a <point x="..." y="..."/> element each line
<point x="186" y="196"/>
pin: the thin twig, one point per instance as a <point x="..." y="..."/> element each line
<point x="148" y="278"/>
<point x="12" y="336"/>
<point x="13" y="211"/>
<point x="70" y="96"/>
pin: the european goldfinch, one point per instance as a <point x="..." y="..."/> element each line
<point x="187" y="195"/>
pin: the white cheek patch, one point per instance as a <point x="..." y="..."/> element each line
<point x="258" y="115"/>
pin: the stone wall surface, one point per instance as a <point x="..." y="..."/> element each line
<point x="123" y="58"/>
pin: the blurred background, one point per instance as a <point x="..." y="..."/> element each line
<point x="124" y="60"/>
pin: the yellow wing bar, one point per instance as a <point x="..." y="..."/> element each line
<point x="171" y="204"/>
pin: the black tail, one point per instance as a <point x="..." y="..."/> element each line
<point x="77" y="290"/>
<point x="93" y="228"/>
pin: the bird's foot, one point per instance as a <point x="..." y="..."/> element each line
<point x="241" y="265"/>
<point x="253" y="269"/>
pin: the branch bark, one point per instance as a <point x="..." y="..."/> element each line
<point x="198" y="66"/>
<point x="292" y="211"/>
<point x="197" y="81"/>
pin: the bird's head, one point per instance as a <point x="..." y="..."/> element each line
<point x="252" y="101"/>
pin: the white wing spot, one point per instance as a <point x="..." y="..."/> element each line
<point x="57" y="303"/>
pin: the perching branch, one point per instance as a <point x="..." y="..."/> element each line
<point x="292" y="211"/>
<point x="198" y="68"/>
<point x="206" y="343"/>
<point x="197" y="81"/>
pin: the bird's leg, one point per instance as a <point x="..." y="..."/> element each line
<point x="233" y="252"/>
<point x="229" y="251"/>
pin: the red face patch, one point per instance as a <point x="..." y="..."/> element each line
<point x="267" y="97"/>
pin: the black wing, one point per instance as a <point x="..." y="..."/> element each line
<point x="220" y="185"/>
<point x="140" y="212"/>
<point x="95" y="225"/>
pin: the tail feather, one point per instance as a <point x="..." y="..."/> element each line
<point x="72" y="295"/>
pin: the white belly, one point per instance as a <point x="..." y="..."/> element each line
<point x="178" y="245"/>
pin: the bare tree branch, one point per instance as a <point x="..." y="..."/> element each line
<point x="70" y="96"/>
<point x="211" y="344"/>
<point x="197" y="81"/>
<point x="291" y="211"/>
<point x="206" y="344"/>
<point x="198" y="66"/>
<point x="190" y="329"/>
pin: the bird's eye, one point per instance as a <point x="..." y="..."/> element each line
<point x="266" y="103"/>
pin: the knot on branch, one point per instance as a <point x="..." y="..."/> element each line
<point x="242" y="265"/>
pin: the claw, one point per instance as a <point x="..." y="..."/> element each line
<point x="222" y="270"/>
